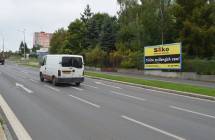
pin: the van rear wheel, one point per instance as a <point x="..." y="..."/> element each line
<point x="54" y="81"/>
<point x="77" y="84"/>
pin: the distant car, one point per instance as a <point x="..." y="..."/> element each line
<point x="62" y="69"/>
<point x="2" y="59"/>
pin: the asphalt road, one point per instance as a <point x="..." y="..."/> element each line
<point x="101" y="110"/>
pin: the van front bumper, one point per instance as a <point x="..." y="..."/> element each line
<point x="70" y="80"/>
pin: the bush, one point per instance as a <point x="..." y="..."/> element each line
<point x="201" y="66"/>
<point x="95" y="57"/>
<point x="133" y="60"/>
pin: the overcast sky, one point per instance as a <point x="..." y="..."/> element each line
<point x="42" y="15"/>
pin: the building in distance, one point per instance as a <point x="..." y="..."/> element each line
<point x="42" y="39"/>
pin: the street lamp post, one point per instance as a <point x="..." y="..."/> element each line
<point x="162" y="20"/>
<point x="24" y="42"/>
<point x="23" y="31"/>
<point x="3" y="45"/>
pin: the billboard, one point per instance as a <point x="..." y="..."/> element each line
<point x="167" y="56"/>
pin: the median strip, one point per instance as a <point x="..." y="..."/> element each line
<point x="177" y="88"/>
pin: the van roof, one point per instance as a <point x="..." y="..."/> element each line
<point x="64" y="55"/>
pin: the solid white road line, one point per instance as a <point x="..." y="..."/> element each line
<point x="79" y="89"/>
<point x="85" y="101"/>
<point x="190" y="111"/>
<point x="24" y="88"/>
<point x="16" y="125"/>
<point x="90" y="86"/>
<point x="153" y="128"/>
<point x="100" y="83"/>
<point x="122" y="94"/>
<point x="173" y="94"/>
<point x="52" y="88"/>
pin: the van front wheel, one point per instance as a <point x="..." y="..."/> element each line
<point x="41" y="77"/>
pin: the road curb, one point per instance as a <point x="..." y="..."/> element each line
<point x="17" y="130"/>
<point x="2" y="133"/>
<point x="189" y="94"/>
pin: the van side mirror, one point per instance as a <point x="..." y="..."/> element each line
<point x="41" y="62"/>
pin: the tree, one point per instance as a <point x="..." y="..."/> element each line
<point x="23" y="48"/>
<point x="195" y="20"/>
<point x="124" y="4"/>
<point x="76" y="36"/>
<point x="95" y="57"/>
<point x="143" y="23"/>
<point x="94" y="29"/>
<point x="57" y="41"/>
<point x="36" y="47"/>
<point x="108" y="34"/>
<point x="87" y="14"/>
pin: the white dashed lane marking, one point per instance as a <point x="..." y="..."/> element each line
<point x="85" y="101"/>
<point x="152" y="128"/>
<point x="100" y="83"/>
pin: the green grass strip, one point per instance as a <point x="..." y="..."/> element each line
<point x="160" y="84"/>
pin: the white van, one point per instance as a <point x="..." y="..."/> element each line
<point x="62" y="69"/>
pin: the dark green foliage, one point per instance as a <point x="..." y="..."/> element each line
<point x="23" y="48"/>
<point x="57" y="41"/>
<point x="86" y="15"/>
<point x="201" y="66"/>
<point x="94" y="29"/>
<point x="36" y="47"/>
<point x="76" y="37"/>
<point x="195" y="22"/>
<point x="108" y="34"/>
<point x="119" y="41"/>
<point x="95" y="57"/>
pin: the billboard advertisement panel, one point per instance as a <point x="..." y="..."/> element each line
<point x="167" y="56"/>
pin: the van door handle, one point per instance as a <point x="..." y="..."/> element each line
<point x="73" y="70"/>
<point x="45" y="68"/>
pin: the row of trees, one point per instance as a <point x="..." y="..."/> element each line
<point x="120" y="41"/>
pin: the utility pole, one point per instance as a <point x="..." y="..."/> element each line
<point x="24" y="42"/>
<point x="162" y="20"/>
<point x="2" y="45"/>
<point x="23" y="31"/>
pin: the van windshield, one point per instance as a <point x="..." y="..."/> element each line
<point x="72" y="62"/>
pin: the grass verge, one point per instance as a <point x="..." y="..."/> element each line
<point x="160" y="84"/>
<point x="32" y="62"/>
